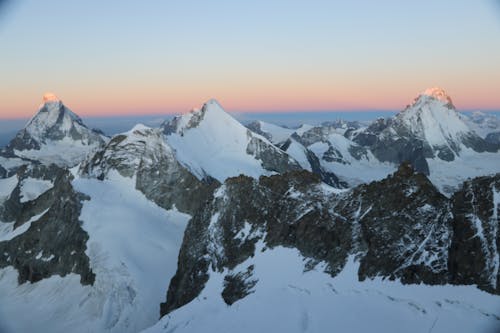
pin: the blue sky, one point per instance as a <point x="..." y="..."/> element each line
<point x="125" y="57"/>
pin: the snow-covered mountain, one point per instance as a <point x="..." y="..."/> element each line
<point x="301" y="256"/>
<point x="142" y="155"/>
<point x="241" y="231"/>
<point x="429" y="128"/>
<point x="430" y="133"/>
<point x="211" y="143"/>
<point x="55" y="135"/>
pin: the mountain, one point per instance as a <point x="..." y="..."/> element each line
<point x="211" y="143"/>
<point x="430" y="128"/>
<point x="96" y="253"/>
<point x="55" y="135"/>
<point x="142" y="155"/>
<point x="264" y="253"/>
<point x="216" y="228"/>
<point x="429" y="133"/>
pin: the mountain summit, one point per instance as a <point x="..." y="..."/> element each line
<point x="433" y="119"/>
<point x="55" y="135"/>
<point x="439" y="94"/>
<point x="211" y="143"/>
<point x="429" y="128"/>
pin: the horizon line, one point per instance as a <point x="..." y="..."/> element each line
<point x="174" y="113"/>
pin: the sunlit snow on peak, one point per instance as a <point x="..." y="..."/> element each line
<point x="50" y="97"/>
<point x="437" y="93"/>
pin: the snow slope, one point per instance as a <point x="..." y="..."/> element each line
<point x="209" y="142"/>
<point x="133" y="246"/>
<point x="287" y="299"/>
<point x="449" y="176"/>
<point x="277" y="133"/>
<point x="353" y="171"/>
<point x="32" y="188"/>
<point x="482" y="123"/>
<point x="7" y="185"/>
<point x="65" y="152"/>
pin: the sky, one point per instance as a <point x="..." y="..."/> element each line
<point x="106" y="58"/>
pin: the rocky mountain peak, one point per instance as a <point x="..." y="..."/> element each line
<point x="437" y="93"/>
<point x="55" y="135"/>
<point x="50" y="97"/>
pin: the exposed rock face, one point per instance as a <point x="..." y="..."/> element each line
<point x="405" y="228"/>
<point x="493" y="138"/>
<point x="399" y="228"/>
<point x="256" y="127"/>
<point x="54" y="242"/>
<point x="143" y="153"/>
<point x="315" y="166"/>
<point x="395" y="148"/>
<point x="272" y="159"/>
<point x="474" y="252"/>
<point x="288" y="210"/>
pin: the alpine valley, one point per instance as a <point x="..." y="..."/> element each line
<point x="206" y="225"/>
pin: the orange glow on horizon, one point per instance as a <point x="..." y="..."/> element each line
<point x="249" y="97"/>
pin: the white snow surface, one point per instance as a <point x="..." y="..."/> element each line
<point x="303" y="128"/>
<point x="11" y="162"/>
<point x="287" y="299"/>
<point x="353" y="171"/>
<point x="278" y="134"/>
<point x="133" y="247"/>
<point x="7" y="231"/>
<point x="216" y="146"/>
<point x="298" y="152"/>
<point x="65" y="152"/>
<point x="482" y="123"/>
<point x="448" y="176"/>
<point x="32" y="188"/>
<point x="7" y="185"/>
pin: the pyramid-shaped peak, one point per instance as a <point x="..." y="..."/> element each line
<point x="212" y="105"/>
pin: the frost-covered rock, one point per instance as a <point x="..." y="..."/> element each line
<point x="42" y="237"/>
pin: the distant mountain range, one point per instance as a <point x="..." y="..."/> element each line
<point x="205" y="224"/>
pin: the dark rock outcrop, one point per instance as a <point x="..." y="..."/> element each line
<point x="54" y="243"/>
<point x="493" y="138"/>
<point x="474" y="251"/>
<point x="401" y="227"/>
<point x="285" y="210"/>
<point x="271" y="157"/>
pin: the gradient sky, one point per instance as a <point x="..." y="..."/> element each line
<point x="132" y="57"/>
